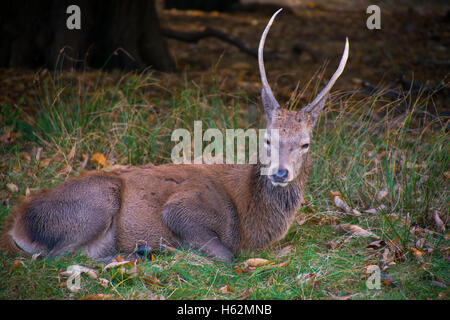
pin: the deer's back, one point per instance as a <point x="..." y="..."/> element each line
<point x="146" y="191"/>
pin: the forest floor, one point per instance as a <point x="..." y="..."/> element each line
<point x="382" y="148"/>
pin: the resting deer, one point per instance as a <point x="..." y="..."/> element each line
<point x="219" y="209"/>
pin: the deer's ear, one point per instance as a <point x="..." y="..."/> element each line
<point x="316" y="109"/>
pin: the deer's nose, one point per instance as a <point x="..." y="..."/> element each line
<point x="280" y="176"/>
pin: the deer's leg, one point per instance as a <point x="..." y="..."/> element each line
<point x="77" y="215"/>
<point x="194" y="225"/>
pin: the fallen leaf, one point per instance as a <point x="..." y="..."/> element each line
<point x="116" y="264"/>
<point x="420" y="243"/>
<point x="65" y="171"/>
<point x="377" y="244"/>
<point x="342" y="205"/>
<point x="25" y="156"/>
<point x="71" y="153"/>
<point x="17" y="264"/>
<point x="104" y="282"/>
<point x="153" y="281"/>
<point x="387" y="280"/>
<point x="12" y="187"/>
<point x="44" y="163"/>
<point x="279" y="265"/>
<point x="381" y="194"/>
<point x="375" y="210"/>
<point x="335" y="194"/>
<point x="77" y="269"/>
<point x="225" y="289"/>
<point x="305" y="278"/>
<point x="356" y="230"/>
<point x="346" y="297"/>
<point x="38" y="154"/>
<point x="97" y="296"/>
<point x="99" y="159"/>
<point x="417" y="253"/>
<point x="332" y="244"/>
<point x="256" y="262"/>
<point x="440" y="226"/>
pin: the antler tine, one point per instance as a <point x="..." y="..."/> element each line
<point x="262" y="70"/>
<point x="333" y="79"/>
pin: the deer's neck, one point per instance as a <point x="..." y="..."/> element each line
<point x="268" y="211"/>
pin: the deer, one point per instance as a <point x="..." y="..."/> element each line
<point x="219" y="210"/>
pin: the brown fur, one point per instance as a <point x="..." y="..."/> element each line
<point x="219" y="209"/>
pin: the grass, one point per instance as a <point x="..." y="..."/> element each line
<point x="362" y="146"/>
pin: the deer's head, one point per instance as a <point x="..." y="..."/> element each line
<point x="294" y="127"/>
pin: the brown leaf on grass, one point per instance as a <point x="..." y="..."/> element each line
<point x="305" y="278"/>
<point x="99" y="159"/>
<point x="356" y="230"/>
<point x="279" y="265"/>
<point x="12" y="187"/>
<point x="153" y="281"/>
<point x="345" y="207"/>
<point x="332" y="244"/>
<point x="38" y="154"/>
<point x="256" y="262"/>
<point x="25" y="157"/>
<point x="250" y="265"/>
<point x="116" y="264"/>
<point x="9" y="136"/>
<point x="225" y="289"/>
<point x="335" y="194"/>
<point x="375" y="210"/>
<point x="97" y="296"/>
<point x="104" y="282"/>
<point x="392" y="253"/>
<point x="68" y="169"/>
<point x="420" y="243"/>
<point x="71" y="154"/>
<point x="440" y="226"/>
<point x="119" y="258"/>
<point x="382" y="194"/>
<point x="17" y="263"/>
<point x="375" y="245"/>
<point x="346" y="297"/>
<point x="416" y="253"/>
<point x="44" y="163"/>
<point x="447" y="174"/>
<point x="77" y="269"/>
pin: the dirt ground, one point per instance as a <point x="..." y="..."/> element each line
<point x="413" y="43"/>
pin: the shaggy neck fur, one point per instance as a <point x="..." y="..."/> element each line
<point x="271" y="209"/>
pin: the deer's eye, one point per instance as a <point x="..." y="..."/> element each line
<point x="305" y="146"/>
<point x="268" y="142"/>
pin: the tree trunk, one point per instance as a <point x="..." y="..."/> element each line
<point x="205" y="5"/>
<point x="113" y="34"/>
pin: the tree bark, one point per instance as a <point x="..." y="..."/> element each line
<point x="114" y="34"/>
<point x="205" y="5"/>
